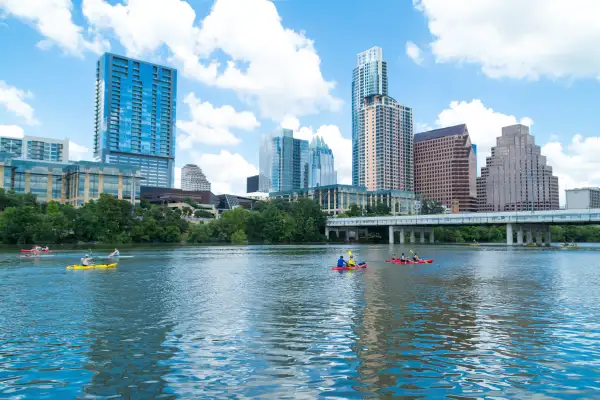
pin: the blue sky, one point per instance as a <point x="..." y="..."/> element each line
<point x="487" y="64"/>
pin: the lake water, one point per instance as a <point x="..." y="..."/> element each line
<point x="276" y="322"/>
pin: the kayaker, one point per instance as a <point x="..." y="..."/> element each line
<point x="394" y="258"/>
<point x="45" y="248"/>
<point x="402" y="257"/>
<point x="416" y="257"/>
<point x="86" y="260"/>
<point x="341" y="262"/>
<point x="351" y="262"/>
<point x="114" y="253"/>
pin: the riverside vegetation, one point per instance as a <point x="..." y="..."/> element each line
<point x="107" y="220"/>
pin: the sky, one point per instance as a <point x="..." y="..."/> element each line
<point x="247" y="67"/>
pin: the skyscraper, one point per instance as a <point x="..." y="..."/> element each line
<point x="516" y="176"/>
<point x="36" y="148"/>
<point x="382" y="129"/>
<point x="289" y="168"/>
<point x="265" y="163"/>
<point x="135" y="117"/>
<point x="445" y="168"/>
<point x="321" y="170"/>
<point x="193" y="179"/>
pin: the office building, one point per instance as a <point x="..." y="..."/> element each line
<point x="582" y="198"/>
<point x="336" y="199"/>
<point x="321" y="170"/>
<point x="193" y="179"/>
<point x="289" y="162"/>
<point x="382" y="129"/>
<point x="35" y="148"/>
<point x="265" y="163"/>
<point x="73" y="183"/>
<point x="445" y="168"/>
<point x="516" y="176"/>
<point x="135" y="117"/>
<point x="252" y="184"/>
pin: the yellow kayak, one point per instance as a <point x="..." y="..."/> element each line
<point x="97" y="266"/>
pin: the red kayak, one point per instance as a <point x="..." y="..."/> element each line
<point x="359" y="266"/>
<point x="429" y="261"/>
<point x="33" y="251"/>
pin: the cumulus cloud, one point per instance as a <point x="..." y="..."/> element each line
<point x="331" y="134"/>
<point x="414" y="53"/>
<point x="78" y="152"/>
<point x="13" y="131"/>
<point x="53" y="19"/>
<point x="274" y="67"/>
<point x="210" y="125"/>
<point x="14" y="100"/>
<point x="515" y="38"/>
<point x="177" y="183"/>
<point x="484" y="124"/>
<point x="226" y="171"/>
<point x="577" y="164"/>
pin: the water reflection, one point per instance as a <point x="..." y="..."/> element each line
<point x="276" y="322"/>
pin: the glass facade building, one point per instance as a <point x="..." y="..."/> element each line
<point x="382" y="129"/>
<point x="75" y="183"/>
<point x="135" y="117"/>
<point x="321" y="170"/>
<point x="336" y="199"/>
<point x="289" y="162"/>
<point x="35" y="148"/>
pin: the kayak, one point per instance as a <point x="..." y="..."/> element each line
<point x="97" y="266"/>
<point x="359" y="266"/>
<point x="33" y="251"/>
<point x="429" y="261"/>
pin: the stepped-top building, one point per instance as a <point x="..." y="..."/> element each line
<point x="516" y="176"/>
<point x="193" y="179"/>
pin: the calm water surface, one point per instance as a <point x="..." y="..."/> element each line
<point x="276" y="322"/>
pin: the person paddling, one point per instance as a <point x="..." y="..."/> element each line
<point x="394" y="258"/>
<point x="86" y="261"/>
<point x="351" y="262"/>
<point x="416" y="257"/>
<point x="341" y="262"/>
<point x="402" y="257"/>
<point x="114" y="253"/>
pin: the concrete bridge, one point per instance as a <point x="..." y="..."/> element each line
<point x="522" y="223"/>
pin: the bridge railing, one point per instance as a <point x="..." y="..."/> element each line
<point x="523" y="217"/>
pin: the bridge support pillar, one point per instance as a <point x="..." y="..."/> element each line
<point x="548" y="237"/>
<point x="401" y="235"/>
<point x="327" y="232"/>
<point x="520" y="236"/>
<point x="412" y="236"/>
<point x="391" y="234"/>
<point x="347" y="235"/>
<point x="529" y="236"/>
<point x="431" y="237"/>
<point x="538" y="237"/>
<point x="509" y="234"/>
<point x="422" y="236"/>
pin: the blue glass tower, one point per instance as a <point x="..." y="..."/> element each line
<point x="321" y="171"/>
<point x="135" y="117"/>
<point x="289" y="162"/>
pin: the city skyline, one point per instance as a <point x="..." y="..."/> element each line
<point x="222" y="115"/>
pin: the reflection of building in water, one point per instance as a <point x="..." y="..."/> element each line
<point x="412" y="323"/>
<point x="127" y="328"/>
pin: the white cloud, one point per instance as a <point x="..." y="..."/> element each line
<point x="227" y="172"/>
<point x="53" y="19"/>
<point x="339" y="145"/>
<point x="177" y="184"/>
<point x="79" y="152"/>
<point x="484" y="124"/>
<point x="577" y="164"/>
<point x="414" y="53"/>
<point x="273" y="67"/>
<point x="422" y="127"/>
<point x="212" y="125"/>
<point x="12" y="131"/>
<point x="516" y="38"/>
<point x="13" y="100"/>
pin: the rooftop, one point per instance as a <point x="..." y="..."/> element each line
<point x="439" y="133"/>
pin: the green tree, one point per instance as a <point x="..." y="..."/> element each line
<point x="431" y="207"/>
<point x="19" y="225"/>
<point x="239" y="237"/>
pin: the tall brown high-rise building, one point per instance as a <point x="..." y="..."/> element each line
<point x="446" y="168"/>
<point x="516" y="177"/>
